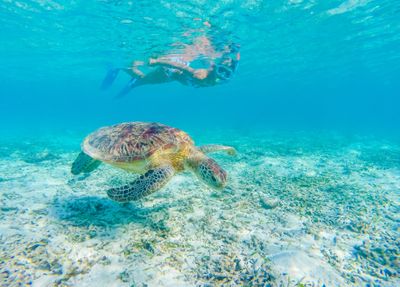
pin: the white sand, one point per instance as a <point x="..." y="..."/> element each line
<point x="291" y="214"/>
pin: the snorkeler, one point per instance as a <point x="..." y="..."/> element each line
<point x="220" y="67"/>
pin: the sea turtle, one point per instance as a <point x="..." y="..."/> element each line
<point x="155" y="151"/>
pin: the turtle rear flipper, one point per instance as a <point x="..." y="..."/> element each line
<point x="84" y="163"/>
<point x="146" y="184"/>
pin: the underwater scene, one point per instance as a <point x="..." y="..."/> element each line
<point x="200" y="143"/>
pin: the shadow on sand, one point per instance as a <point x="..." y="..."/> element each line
<point x="99" y="212"/>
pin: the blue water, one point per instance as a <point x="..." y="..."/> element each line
<point x="309" y="63"/>
<point x="313" y="111"/>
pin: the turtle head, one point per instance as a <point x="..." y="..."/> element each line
<point x="208" y="171"/>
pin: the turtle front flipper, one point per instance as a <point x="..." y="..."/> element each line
<point x="84" y="163"/>
<point x="146" y="184"/>
<point x="215" y="147"/>
<point x="207" y="170"/>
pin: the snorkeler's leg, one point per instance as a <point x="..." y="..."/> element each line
<point x="113" y="73"/>
<point x="156" y="77"/>
<point x="137" y="76"/>
<point x="128" y="87"/>
<point x="110" y="78"/>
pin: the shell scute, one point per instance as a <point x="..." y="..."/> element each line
<point x="133" y="141"/>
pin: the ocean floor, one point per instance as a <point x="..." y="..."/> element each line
<point x="300" y="210"/>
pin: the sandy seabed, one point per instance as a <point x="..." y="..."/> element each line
<point x="300" y="210"/>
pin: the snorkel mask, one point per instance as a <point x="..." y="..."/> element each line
<point x="224" y="72"/>
<point x="228" y="63"/>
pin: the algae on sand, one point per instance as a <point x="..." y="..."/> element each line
<point x="290" y="199"/>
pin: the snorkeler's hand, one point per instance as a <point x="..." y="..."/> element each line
<point x="200" y="74"/>
<point x="152" y="61"/>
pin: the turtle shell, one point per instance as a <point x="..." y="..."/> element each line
<point x="128" y="142"/>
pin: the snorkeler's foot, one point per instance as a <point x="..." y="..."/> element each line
<point x="129" y="86"/>
<point x="110" y="78"/>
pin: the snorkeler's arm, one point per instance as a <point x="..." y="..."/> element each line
<point x="137" y="72"/>
<point x="134" y="70"/>
<point x="170" y="64"/>
<point x="196" y="73"/>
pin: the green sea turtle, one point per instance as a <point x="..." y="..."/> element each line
<point x="155" y="151"/>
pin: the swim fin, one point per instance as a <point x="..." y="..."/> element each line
<point x="127" y="88"/>
<point x="110" y="78"/>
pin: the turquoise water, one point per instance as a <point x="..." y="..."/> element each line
<point x="313" y="194"/>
